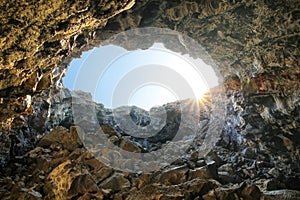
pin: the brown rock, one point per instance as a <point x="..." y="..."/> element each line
<point x="72" y="140"/>
<point x="185" y="190"/>
<point x="83" y="184"/>
<point x="223" y="193"/>
<point x="108" y="130"/>
<point x="98" y="170"/>
<point x="143" y="180"/>
<point x="60" y="135"/>
<point x="173" y="176"/>
<point x="67" y="181"/>
<point x="202" y="173"/>
<point x="114" y="139"/>
<point x="60" y="180"/>
<point x="251" y="192"/>
<point x="116" y="183"/>
<point x="130" y="146"/>
<point x="88" y="196"/>
<point x="233" y="83"/>
<point x="157" y="191"/>
<point x="55" y="136"/>
<point x="44" y="83"/>
<point x="209" y="196"/>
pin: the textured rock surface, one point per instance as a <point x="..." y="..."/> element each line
<point x="256" y="47"/>
<point x="39" y="36"/>
<point x="243" y="38"/>
<point x="61" y="169"/>
<point x="247" y="162"/>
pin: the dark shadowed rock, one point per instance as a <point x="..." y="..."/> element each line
<point x="83" y="184"/>
<point x="116" y="183"/>
<point x="251" y="192"/>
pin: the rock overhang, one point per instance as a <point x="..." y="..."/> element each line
<point x="255" y="44"/>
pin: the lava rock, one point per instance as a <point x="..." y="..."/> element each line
<point x="173" y="176"/>
<point x="116" y="183"/>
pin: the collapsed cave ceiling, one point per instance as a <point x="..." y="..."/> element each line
<point x="38" y="37"/>
<point x="255" y="45"/>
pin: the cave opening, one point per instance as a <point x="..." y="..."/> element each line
<point x="252" y="135"/>
<point x="145" y="78"/>
<point x="154" y="93"/>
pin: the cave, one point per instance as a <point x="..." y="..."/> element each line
<point x="242" y="141"/>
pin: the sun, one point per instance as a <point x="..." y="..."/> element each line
<point x="204" y="101"/>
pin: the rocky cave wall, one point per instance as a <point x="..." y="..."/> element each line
<point x="255" y="45"/>
<point x="37" y="36"/>
<point x="243" y="38"/>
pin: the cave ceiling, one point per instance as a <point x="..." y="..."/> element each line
<point x="40" y="38"/>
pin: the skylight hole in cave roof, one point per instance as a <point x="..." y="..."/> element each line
<point x="144" y="78"/>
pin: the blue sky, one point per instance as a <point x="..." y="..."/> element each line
<point x="73" y="69"/>
<point x="145" y="78"/>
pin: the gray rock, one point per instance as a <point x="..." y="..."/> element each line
<point x="281" y="195"/>
<point x="226" y="173"/>
<point x="213" y="156"/>
<point x="249" y="153"/>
